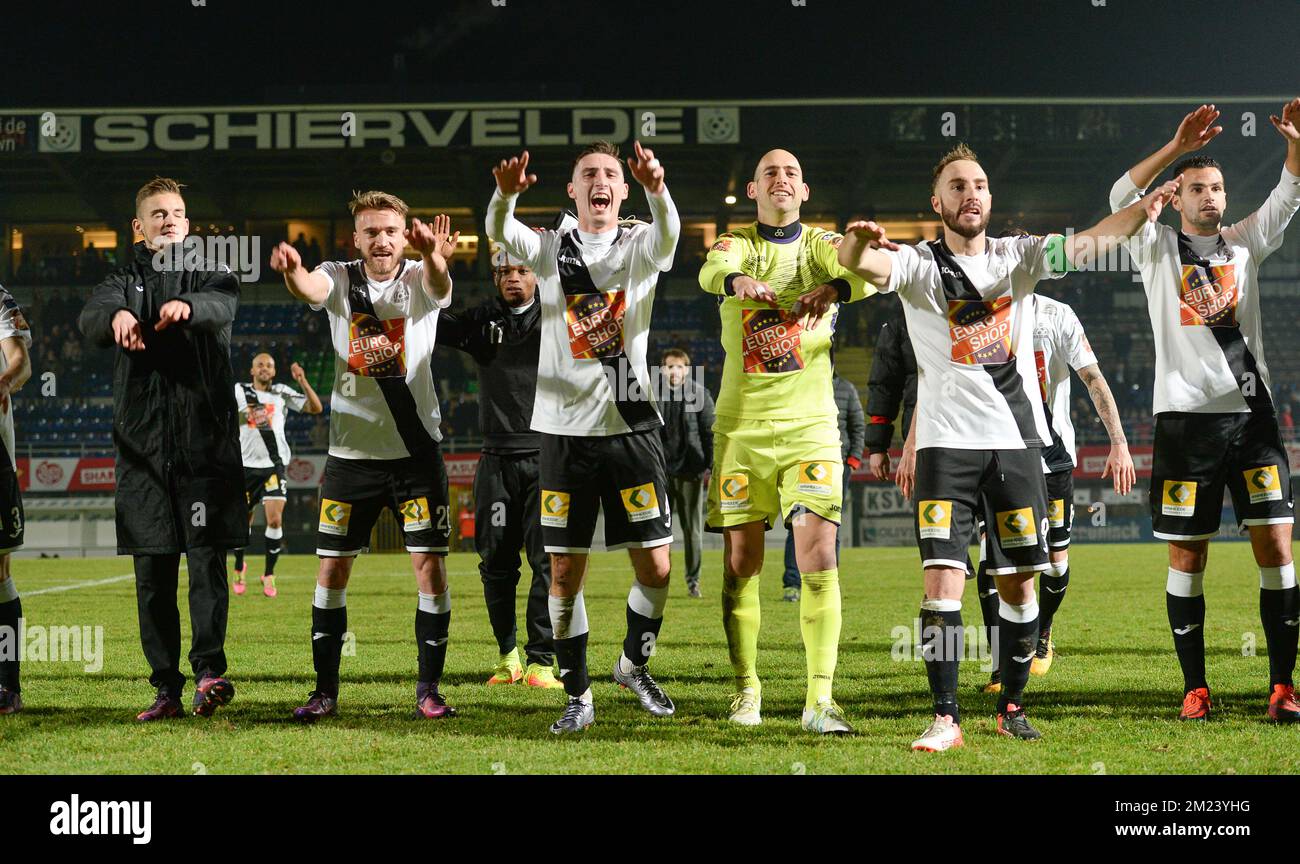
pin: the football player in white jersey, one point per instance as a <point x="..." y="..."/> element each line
<point x="263" y="408"/>
<point x="383" y="314"/>
<point x="979" y="418"/>
<point x="15" y="369"/>
<point x="1216" y="421"/>
<point x="601" y="445"/>
<point x="1059" y="346"/>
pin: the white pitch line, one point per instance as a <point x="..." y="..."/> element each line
<point x="75" y="585"/>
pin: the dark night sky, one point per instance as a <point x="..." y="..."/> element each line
<point x="170" y="52"/>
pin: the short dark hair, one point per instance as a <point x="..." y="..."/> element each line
<point x="676" y="352"/>
<point x="1192" y="162"/>
<point x="956" y="154"/>
<point x="602" y="147"/>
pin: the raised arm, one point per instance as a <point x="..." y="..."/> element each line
<point x="1288" y="125"/>
<point x="1265" y="228"/>
<point x="436" y="244"/>
<point x="518" y="239"/>
<point x="1119" y="464"/>
<point x="667" y="226"/>
<point x="1082" y="248"/>
<point x="314" y="405"/>
<point x="1196" y="130"/>
<point x="312" y="286"/>
<point x="860" y="252"/>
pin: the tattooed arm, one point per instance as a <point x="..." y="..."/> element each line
<point x="1119" y="464"/>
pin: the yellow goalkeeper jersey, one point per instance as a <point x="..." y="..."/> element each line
<point x="777" y="368"/>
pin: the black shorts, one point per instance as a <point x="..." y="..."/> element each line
<point x="261" y="484"/>
<point x="1060" y="507"/>
<point x="1196" y="455"/>
<point x="624" y="474"/>
<point x="12" y="521"/>
<point x="1005" y="488"/>
<point x="355" y="491"/>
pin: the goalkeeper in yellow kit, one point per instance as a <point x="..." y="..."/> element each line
<point x="776" y="454"/>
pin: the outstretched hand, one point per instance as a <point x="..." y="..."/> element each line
<point x="512" y="175"/>
<point x="1155" y="201"/>
<point x="285" y="258"/>
<point x="1289" y="123"/>
<point x="874" y="233"/>
<point x="435" y="239"/>
<point x="1197" y="129"/>
<point x="646" y="169"/>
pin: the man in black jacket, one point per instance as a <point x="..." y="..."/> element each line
<point x="179" y="476"/>
<point x="687" y="409"/>
<point x="892" y="383"/>
<point x="503" y="336"/>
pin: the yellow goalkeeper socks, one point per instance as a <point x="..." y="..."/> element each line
<point x="819" y="621"/>
<point x="740" y="619"/>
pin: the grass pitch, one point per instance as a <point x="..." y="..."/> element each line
<point x="1108" y="706"/>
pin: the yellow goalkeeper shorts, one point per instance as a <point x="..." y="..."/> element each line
<point x="763" y="469"/>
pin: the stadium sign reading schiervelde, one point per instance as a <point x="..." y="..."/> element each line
<point x="340" y="127"/>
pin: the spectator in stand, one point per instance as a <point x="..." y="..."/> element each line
<point x="313" y="254"/>
<point x="300" y="245"/>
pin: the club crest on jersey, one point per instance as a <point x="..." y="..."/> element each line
<point x="1016" y="528"/>
<point x="640" y="502"/>
<point x="934" y="519"/>
<point x="555" y="509"/>
<point x="1208" y="296"/>
<point x="377" y="349"/>
<point x="415" y="515"/>
<point x="733" y="492"/>
<point x="334" y="516"/>
<point x="595" y="323"/>
<point x="1178" y="498"/>
<point x="1263" y="484"/>
<point x="770" y="341"/>
<point x="980" y="331"/>
<point x="1056" y="513"/>
<point x="815" y="478"/>
<point x="722" y="244"/>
